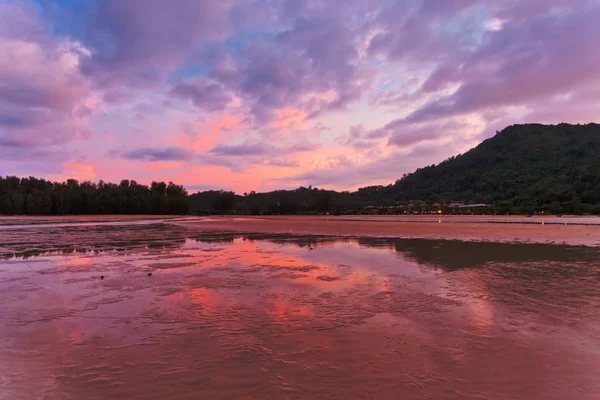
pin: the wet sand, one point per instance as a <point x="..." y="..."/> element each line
<point x="488" y="229"/>
<point x="263" y="316"/>
<point x="576" y="231"/>
<point x="36" y="220"/>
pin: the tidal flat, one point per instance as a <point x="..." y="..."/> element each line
<point x="208" y="308"/>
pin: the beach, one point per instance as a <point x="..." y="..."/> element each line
<point x="549" y="230"/>
<point x="297" y="307"/>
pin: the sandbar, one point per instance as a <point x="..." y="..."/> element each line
<point x="452" y="228"/>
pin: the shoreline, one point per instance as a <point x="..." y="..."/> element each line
<point x="574" y="231"/>
<point x="55" y="219"/>
<point x="455" y="218"/>
<point x="571" y="234"/>
<point x="491" y="219"/>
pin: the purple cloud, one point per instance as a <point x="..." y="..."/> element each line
<point x="309" y="62"/>
<point x="254" y="149"/>
<point x="405" y="134"/>
<point x="240" y="150"/>
<point x="237" y="157"/>
<point x="41" y="89"/>
<point x="134" y="40"/>
<point x="282" y="163"/>
<point x="426" y="31"/>
<point x="10" y="142"/>
<point x="558" y="57"/>
<point x="349" y="174"/>
<point x="359" y="138"/>
<point x="232" y="163"/>
<point x="159" y="154"/>
<point x="205" y="95"/>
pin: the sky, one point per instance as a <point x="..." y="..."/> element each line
<point x="275" y="94"/>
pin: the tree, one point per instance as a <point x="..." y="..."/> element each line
<point x="224" y="201"/>
<point x="324" y="201"/>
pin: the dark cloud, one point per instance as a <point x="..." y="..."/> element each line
<point x="380" y="171"/>
<point x="425" y="31"/>
<point x="359" y="138"/>
<point x="237" y="157"/>
<point x="255" y="149"/>
<point x="25" y="92"/>
<point x="234" y="164"/>
<point x="21" y="21"/>
<point x="159" y="154"/>
<point x="41" y="89"/>
<point x="239" y="162"/>
<point x="282" y="163"/>
<point x="308" y="62"/>
<point x="12" y="143"/>
<point x="24" y="160"/>
<point x="8" y="120"/>
<point x="558" y="57"/>
<point x="206" y="95"/>
<point x="37" y="128"/>
<point x="404" y="134"/>
<point x="241" y="150"/>
<point x="134" y="40"/>
<point x="306" y="56"/>
<point x="31" y="127"/>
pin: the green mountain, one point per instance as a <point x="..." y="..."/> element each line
<point x="524" y="168"/>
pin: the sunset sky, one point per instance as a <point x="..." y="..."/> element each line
<point x="268" y="94"/>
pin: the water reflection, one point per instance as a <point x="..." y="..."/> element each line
<point x="276" y="316"/>
<point x="448" y="255"/>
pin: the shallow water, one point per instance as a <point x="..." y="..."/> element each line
<point x="270" y="316"/>
<point x="498" y="219"/>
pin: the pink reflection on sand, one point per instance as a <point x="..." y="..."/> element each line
<point x="297" y="318"/>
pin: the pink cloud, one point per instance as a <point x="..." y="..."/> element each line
<point x="77" y="170"/>
<point x="208" y="134"/>
<point x="41" y="89"/>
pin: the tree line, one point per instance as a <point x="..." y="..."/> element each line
<point x="33" y="196"/>
<point x="281" y="202"/>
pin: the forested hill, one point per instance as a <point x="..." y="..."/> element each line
<point x="524" y="167"/>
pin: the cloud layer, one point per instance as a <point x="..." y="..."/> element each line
<point x="256" y="95"/>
